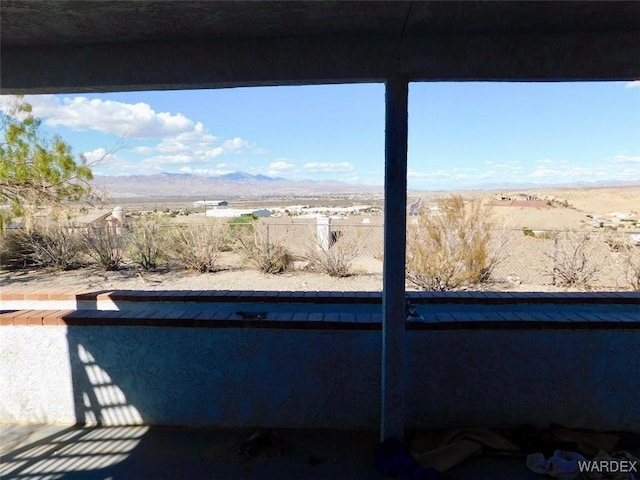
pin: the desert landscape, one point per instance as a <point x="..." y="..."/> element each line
<point x="535" y="226"/>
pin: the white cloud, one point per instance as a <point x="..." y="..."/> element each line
<point x="137" y="120"/>
<point x="439" y="175"/>
<point x="624" y="158"/>
<point x="541" y="172"/>
<point x="98" y="155"/>
<point x="328" y="167"/>
<point x="193" y="147"/>
<point x="235" y="145"/>
<point x="197" y="139"/>
<point x="546" y="161"/>
<point x="181" y="140"/>
<point x="143" y="150"/>
<point x="159" y="160"/>
<point x="415" y="174"/>
<point x="105" y="162"/>
<point x="488" y="174"/>
<point x="279" y="167"/>
<point x="633" y="84"/>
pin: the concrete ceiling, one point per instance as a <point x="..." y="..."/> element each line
<point x="127" y="45"/>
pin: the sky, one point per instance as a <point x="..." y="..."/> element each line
<point x="461" y="135"/>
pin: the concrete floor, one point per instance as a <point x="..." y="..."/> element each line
<point x="123" y="453"/>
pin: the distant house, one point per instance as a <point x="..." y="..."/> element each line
<point x="211" y="203"/>
<point x="103" y="218"/>
<point x="233" y="212"/>
<point x="525" y="197"/>
<point x="516" y="197"/>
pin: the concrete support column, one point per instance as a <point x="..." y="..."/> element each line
<point x="323" y="238"/>
<point x="395" y="225"/>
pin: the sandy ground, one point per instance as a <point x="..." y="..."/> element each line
<point x="132" y="279"/>
<point x="582" y="201"/>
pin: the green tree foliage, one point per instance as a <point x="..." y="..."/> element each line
<point x="35" y="170"/>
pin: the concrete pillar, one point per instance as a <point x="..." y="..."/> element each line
<point x="395" y="234"/>
<point x="118" y="214"/>
<point x="323" y="233"/>
<point x="117" y="220"/>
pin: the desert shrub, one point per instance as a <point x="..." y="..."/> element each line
<point x="574" y="259"/>
<point x="54" y="246"/>
<point x="630" y="253"/>
<point x="263" y="252"/>
<point x="632" y="267"/>
<point x="106" y="246"/>
<point x="545" y="235"/>
<point x="16" y="250"/>
<point x="239" y="227"/>
<point x="147" y="243"/>
<point x="57" y="246"/>
<point x="337" y="258"/>
<point x="198" y="247"/>
<point x="455" y="246"/>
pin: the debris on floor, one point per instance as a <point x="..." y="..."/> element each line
<point x="557" y="452"/>
<point x="263" y="443"/>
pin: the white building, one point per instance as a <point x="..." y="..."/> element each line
<point x="237" y="212"/>
<point x="210" y="203"/>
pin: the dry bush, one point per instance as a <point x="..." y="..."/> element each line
<point x="629" y="251"/>
<point x="574" y="259"/>
<point x="337" y="260"/>
<point x="53" y="245"/>
<point x="17" y="248"/>
<point x="198" y="247"/>
<point x="454" y="246"/>
<point x="632" y="267"/>
<point x="147" y="244"/>
<point x="262" y="252"/>
<point x="239" y="227"/>
<point x="57" y="246"/>
<point x="105" y="246"/>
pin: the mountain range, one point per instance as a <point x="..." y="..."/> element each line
<point x="243" y="184"/>
<point x="235" y="184"/>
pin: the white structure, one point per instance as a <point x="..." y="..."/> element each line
<point x="323" y="232"/>
<point x="237" y="212"/>
<point x="210" y="203"/>
<point x="118" y="214"/>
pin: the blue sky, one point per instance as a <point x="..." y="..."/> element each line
<point x="461" y="135"/>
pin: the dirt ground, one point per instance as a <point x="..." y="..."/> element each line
<point x="247" y="279"/>
<point x="133" y="279"/>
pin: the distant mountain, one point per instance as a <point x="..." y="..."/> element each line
<point x="235" y="184"/>
<point x="236" y="176"/>
<point x="247" y="176"/>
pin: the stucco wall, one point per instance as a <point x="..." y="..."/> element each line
<point x="316" y="378"/>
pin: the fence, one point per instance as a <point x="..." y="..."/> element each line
<point x="526" y="259"/>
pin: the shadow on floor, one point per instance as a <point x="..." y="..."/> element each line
<point x="119" y="453"/>
<point x="174" y="453"/>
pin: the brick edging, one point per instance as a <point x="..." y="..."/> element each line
<point x="213" y="296"/>
<point x="322" y="321"/>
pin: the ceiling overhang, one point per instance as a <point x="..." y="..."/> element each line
<point x="62" y="46"/>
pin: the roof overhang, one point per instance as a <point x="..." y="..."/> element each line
<point x="70" y="46"/>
